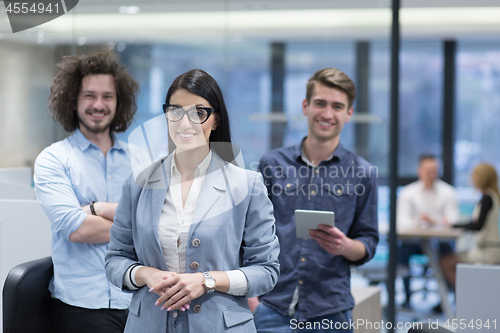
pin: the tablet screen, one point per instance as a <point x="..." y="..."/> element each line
<point x="310" y="219"/>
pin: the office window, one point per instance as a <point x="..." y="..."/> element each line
<point x="421" y="103"/>
<point x="247" y="89"/>
<point x="477" y="119"/>
<point x="379" y="104"/>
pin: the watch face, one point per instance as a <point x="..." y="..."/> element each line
<point x="210" y="282"/>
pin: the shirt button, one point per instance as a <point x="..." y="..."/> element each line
<point x="195" y="265"/>
<point x="109" y="176"/>
<point x="101" y="154"/>
<point x="339" y="191"/>
<point x="303" y="259"/>
<point x="317" y="171"/>
<point x="197" y="308"/>
<point x="301" y="282"/>
<point x="313" y="192"/>
<point x="174" y="314"/>
<point x="288" y="185"/>
<point x="196" y="242"/>
<point x="110" y="201"/>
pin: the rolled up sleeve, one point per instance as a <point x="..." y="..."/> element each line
<point x="365" y="228"/>
<point x="55" y="194"/>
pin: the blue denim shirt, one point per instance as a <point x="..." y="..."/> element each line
<point x="345" y="184"/>
<point x="68" y="175"/>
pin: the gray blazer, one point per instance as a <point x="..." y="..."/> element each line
<point x="233" y="228"/>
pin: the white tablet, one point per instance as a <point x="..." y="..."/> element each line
<point x="310" y="219"/>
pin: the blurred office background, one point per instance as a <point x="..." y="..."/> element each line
<point x="262" y="52"/>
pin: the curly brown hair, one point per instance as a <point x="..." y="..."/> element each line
<point x="70" y="71"/>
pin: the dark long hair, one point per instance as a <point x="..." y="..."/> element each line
<point x="200" y="83"/>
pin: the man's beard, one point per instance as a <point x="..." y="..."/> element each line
<point x="95" y="129"/>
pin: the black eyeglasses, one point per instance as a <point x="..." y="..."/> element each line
<point x="196" y="114"/>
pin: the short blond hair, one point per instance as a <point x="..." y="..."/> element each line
<point x="485" y="176"/>
<point x="332" y="78"/>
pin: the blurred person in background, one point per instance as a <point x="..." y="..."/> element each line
<point x="428" y="202"/>
<point x="484" y="223"/>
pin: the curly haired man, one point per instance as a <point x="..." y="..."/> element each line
<point x="78" y="183"/>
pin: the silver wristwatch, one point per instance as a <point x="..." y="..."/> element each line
<point x="209" y="282"/>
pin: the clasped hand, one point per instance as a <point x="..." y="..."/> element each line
<point x="175" y="290"/>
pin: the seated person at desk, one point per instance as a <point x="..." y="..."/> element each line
<point x="485" y="219"/>
<point x="428" y="202"/>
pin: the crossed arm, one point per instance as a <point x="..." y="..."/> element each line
<point x="56" y="194"/>
<point x="95" y="228"/>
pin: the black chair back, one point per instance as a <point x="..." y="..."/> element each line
<point x="27" y="302"/>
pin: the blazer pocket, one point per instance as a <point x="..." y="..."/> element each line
<point x="236" y="315"/>
<point x="135" y="305"/>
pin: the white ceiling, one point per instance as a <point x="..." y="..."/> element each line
<point x="97" y="21"/>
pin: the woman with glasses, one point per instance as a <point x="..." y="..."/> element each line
<point x="193" y="234"/>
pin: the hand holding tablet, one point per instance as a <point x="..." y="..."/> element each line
<point x="310" y="219"/>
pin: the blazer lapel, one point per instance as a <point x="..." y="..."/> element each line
<point x="158" y="185"/>
<point x="159" y="193"/>
<point x="212" y="188"/>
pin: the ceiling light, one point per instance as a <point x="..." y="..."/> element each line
<point x="129" y="10"/>
<point x="264" y="23"/>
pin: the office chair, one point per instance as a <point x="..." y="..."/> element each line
<point x="26" y="299"/>
<point x="419" y="268"/>
<point x="427" y="328"/>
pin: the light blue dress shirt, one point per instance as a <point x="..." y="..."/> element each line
<point x="69" y="174"/>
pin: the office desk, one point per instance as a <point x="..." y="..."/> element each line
<point x="478" y="298"/>
<point x="424" y="236"/>
<point x="367" y="309"/>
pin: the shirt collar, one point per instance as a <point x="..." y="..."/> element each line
<point x="299" y="153"/>
<point x="423" y="188"/>
<point x="201" y="169"/>
<point x="84" y="143"/>
<point x="117" y="144"/>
